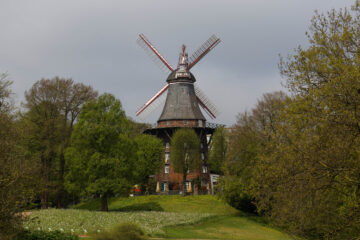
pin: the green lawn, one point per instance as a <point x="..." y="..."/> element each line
<point x="189" y="204"/>
<point x="175" y="217"/>
<point x="226" y="227"/>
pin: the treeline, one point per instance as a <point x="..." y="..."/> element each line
<point x="295" y="158"/>
<point x="67" y="144"/>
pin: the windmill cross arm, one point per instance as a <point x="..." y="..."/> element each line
<point x="203" y="50"/>
<point x="145" y="43"/>
<point x="206" y="108"/>
<point x="152" y="100"/>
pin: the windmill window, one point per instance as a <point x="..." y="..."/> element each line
<point x="167" y="169"/>
<point x="167" y="123"/>
<point x="167" y="145"/>
<point x="185" y="122"/>
<point x="200" y="123"/>
<point x="167" y="158"/>
<point x="204" y="183"/>
<point x="202" y="156"/>
<point x="204" y="168"/>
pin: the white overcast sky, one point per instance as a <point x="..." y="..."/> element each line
<point x="94" y="42"/>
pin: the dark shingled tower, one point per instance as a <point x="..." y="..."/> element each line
<point x="181" y="102"/>
<point x="181" y="110"/>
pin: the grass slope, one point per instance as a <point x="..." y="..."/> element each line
<point x="189" y="204"/>
<point x="175" y="217"/>
<point x="225" y="227"/>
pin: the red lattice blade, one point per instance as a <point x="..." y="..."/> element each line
<point x="206" y="104"/>
<point x="151" y="51"/>
<point x="153" y="103"/>
<point x="203" y="50"/>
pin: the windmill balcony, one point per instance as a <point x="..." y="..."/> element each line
<point x="188" y="123"/>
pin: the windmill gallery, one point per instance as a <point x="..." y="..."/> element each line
<point x="181" y="110"/>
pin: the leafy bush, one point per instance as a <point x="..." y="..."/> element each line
<point x="125" y="231"/>
<point x="41" y="235"/>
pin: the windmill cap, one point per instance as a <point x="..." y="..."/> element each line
<point x="181" y="76"/>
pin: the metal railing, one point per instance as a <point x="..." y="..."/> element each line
<point x="207" y="125"/>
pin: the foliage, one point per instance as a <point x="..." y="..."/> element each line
<point x="42" y="235"/>
<point x="149" y="151"/>
<point x="53" y="106"/>
<point x="79" y="221"/>
<point x="249" y="136"/>
<point x="217" y="151"/>
<point x="185" y="152"/>
<point x="14" y="171"/>
<point x="307" y="177"/>
<point x="125" y="231"/>
<point x="101" y="154"/>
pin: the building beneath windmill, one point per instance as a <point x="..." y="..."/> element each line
<point x="181" y="110"/>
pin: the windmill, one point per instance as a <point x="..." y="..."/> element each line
<point x="179" y="78"/>
<point x="183" y="100"/>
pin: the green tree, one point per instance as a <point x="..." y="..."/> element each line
<point x="14" y="171"/>
<point x="248" y="139"/>
<point x="53" y="106"/>
<point x="309" y="179"/>
<point x="185" y="153"/>
<point x="217" y="151"/>
<point x="101" y="156"/>
<point x="149" y="150"/>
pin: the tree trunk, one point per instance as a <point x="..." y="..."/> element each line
<point x="104" y="203"/>
<point x="60" y="193"/>
<point x="184" y="185"/>
<point x="44" y="200"/>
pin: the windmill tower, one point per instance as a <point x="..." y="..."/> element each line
<point x="182" y="109"/>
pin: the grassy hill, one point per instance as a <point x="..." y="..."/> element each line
<point x="163" y="203"/>
<point x="175" y="217"/>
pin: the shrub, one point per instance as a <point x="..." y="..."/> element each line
<point x="125" y="231"/>
<point x="42" y="235"/>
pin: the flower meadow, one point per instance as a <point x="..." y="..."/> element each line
<point x="84" y="221"/>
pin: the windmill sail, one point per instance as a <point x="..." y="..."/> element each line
<point x="152" y="52"/>
<point x="206" y="104"/>
<point x="153" y="103"/>
<point x="203" y="50"/>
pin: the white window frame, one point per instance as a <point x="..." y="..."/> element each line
<point x="167" y="169"/>
<point x="167" y="157"/>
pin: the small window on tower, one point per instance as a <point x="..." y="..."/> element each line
<point x="200" y="123"/>
<point x="167" y="169"/>
<point x="167" y="158"/>
<point x="167" y="123"/>
<point x="185" y="122"/>
<point x="202" y="156"/>
<point x="204" y="168"/>
<point x="167" y="145"/>
<point x="201" y="145"/>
